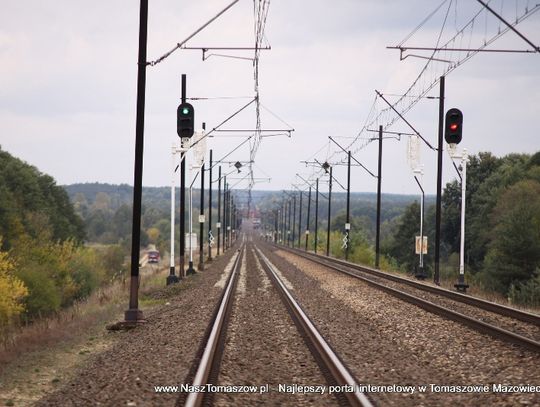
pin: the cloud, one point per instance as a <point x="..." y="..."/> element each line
<point x="68" y="85"/>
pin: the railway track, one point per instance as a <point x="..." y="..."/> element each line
<point x="207" y="370"/>
<point x="501" y="322"/>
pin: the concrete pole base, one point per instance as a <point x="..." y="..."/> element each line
<point x="172" y="279"/>
<point x="462" y="287"/>
<point x="190" y="269"/>
<point x="134" y="316"/>
<point x="420" y="274"/>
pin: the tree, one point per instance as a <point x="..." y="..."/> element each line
<point x="403" y="246"/>
<point x="513" y="254"/>
<point x="25" y="192"/>
<point x="12" y="295"/>
<point x="102" y="202"/>
<point x="479" y="169"/>
<point x="509" y="170"/>
<point x="153" y="235"/>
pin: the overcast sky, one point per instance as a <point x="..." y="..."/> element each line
<point x="68" y="84"/>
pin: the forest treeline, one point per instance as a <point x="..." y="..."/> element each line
<point x="46" y="262"/>
<point x="44" y="265"/>
<point x="502" y="223"/>
<point x="502" y="237"/>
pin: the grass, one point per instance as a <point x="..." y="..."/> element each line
<point x="102" y="306"/>
<point x="43" y="355"/>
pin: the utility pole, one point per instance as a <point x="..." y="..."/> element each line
<point x="183" y="196"/>
<point x="191" y="270"/>
<point x="210" y="236"/>
<point x="293" y="221"/>
<point x="225" y="217"/>
<point x="315" y="241"/>
<point x="224" y="226"/>
<point x="379" y="179"/>
<point x="307" y="221"/>
<point x="436" y="278"/>
<point x="276" y="211"/>
<point x="420" y="272"/>
<point x="347" y="216"/>
<point x="289" y="223"/>
<point x="134" y="314"/>
<point x="171" y="278"/>
<point x="201" y="221"/>
<point x="300" y="222"/>
<point x="218" y="225"/>
<point x="329" y="212"/>
<point x="283" y="221"/>
<point x="460" y="285"/>
<point x="231" y="224"/>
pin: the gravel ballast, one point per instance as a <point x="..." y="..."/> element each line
<point x="263" y="347"/>
<point x="388" y="342"/>
<point x="157" y="353"/>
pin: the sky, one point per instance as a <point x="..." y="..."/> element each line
<point x="68" y="75"/>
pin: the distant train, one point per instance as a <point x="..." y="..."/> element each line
<point x="153" y="255"/>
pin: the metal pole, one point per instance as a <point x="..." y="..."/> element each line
<point x="227" y="231"/>
<point x="379" y="179"/>
<point x="289" y="224"/>
<point x="439" y="183"/>
<point x="329" y="212"/>
<point x="293" y="221"/>
<point x="210" y="236"/>
<point x="276" y="226"/>
<point x="307" y="221"/>
<point x="183" y="196"/>
<point x="191" y="269"/>
<point x="218" y="225"/>
<point x="201" y="222"/>
<point x="134" y="314"/>
<point x="422" y="203"/>
<point x="347" y="217"/>
<point x="233" y="222"/>
<point x="300" y="221"/>
<point x="229" y="218"/>
<point x="224" y="226"/>
<point x="315" y="241"/>
<point x="282" y="220"/>
<point x="284" y="223"/>
<point x="171" y="278"/>
<point x="420" y="273"/>
<point x="461" y="286"/>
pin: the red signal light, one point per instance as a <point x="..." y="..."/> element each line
<point x="453" y="126"/>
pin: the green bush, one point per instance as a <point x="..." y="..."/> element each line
<point x="526" y="293"/>
<point x="43" y="298"/>
<point x="87" y="271"/>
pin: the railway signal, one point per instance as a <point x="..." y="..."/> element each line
<point x="185" y="123"/>
<point x="453" y="126"/>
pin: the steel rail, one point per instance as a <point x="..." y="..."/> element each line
<point x="331" y="361"/>
<point x="475" y="324"/>
<point x="453" y="295"/>
<point x="208" y="358"/>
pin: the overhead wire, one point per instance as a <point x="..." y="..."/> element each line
<point x="431" y="72"/>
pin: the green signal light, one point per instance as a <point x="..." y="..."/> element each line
<point x="185" y="110"/>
